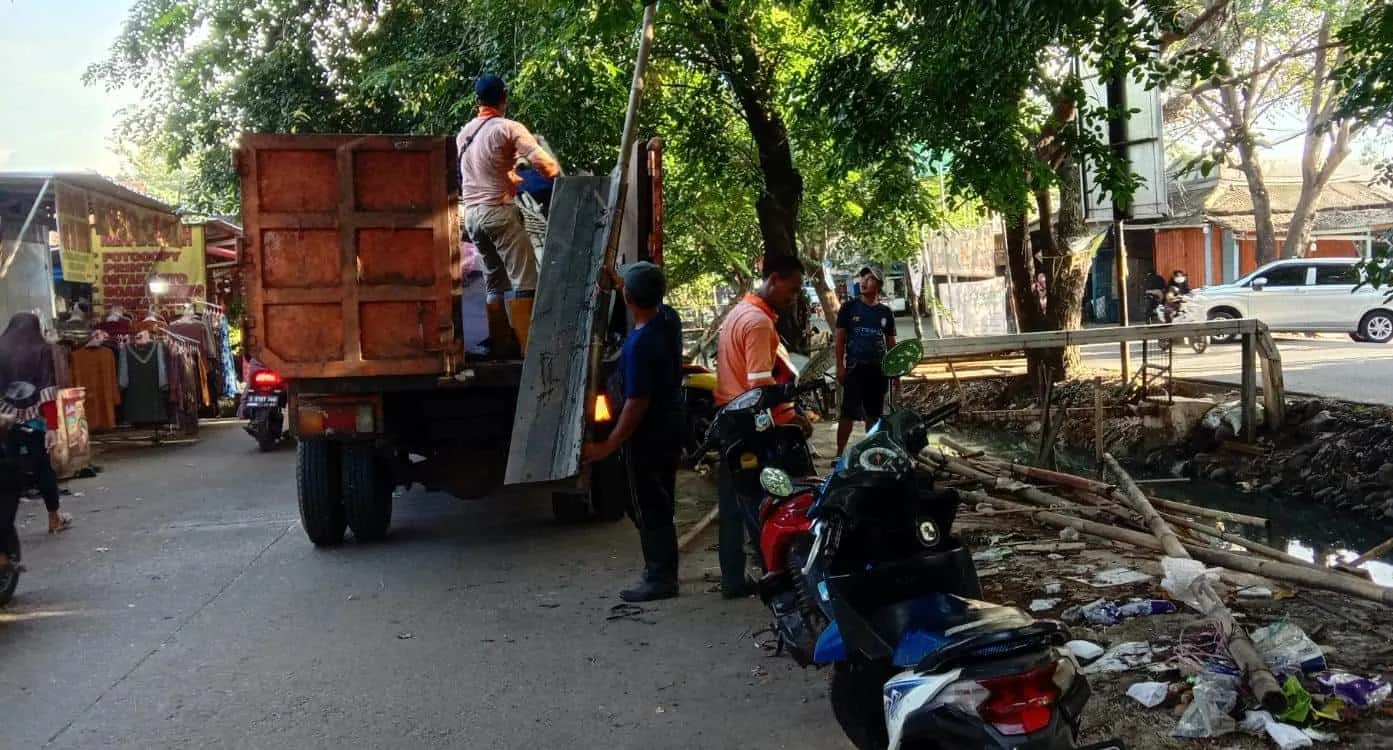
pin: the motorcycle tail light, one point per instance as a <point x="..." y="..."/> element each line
<point x="1020" y="703"/>
<point x="266" y="379"/>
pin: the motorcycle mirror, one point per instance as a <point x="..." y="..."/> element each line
<point x="903" y="358"/>
<point x="776" y="482"/>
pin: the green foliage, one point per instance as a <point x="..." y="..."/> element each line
<point x="213" y="69"/>
<point x="1366" y="73"/>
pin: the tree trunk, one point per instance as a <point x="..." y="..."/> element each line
<point x="749" y="76"/>
<point x="1262" y="203"/>
<point x="1321" y="136"/>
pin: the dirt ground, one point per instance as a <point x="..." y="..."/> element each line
<point x="1341" y="626"/>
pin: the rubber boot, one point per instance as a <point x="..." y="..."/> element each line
<point x="520" y="316"/>
<point x="503" y="344"/>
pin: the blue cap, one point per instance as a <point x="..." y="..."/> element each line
<point x="490" y="89"/>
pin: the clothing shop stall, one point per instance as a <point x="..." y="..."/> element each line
<point x="119" y="282"/>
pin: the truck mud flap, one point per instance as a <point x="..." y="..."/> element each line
<point x="549" y="423"/>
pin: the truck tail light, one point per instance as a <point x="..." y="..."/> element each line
<point x="602" y="413"/>
<point x="337" y="417"/>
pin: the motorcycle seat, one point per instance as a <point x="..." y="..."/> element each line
<point x="931" y="625"/>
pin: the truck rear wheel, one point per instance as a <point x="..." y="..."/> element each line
<point x="367" y="492"/>
<point x="317" y="486"/>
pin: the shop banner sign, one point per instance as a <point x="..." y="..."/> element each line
<point x="147" y="258"/>
<point x="75" y="254"/>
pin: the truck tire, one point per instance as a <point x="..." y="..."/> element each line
<point x="367" y="492"/>
<point x="317" y="486"/>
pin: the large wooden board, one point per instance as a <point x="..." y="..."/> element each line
<point x="548" y="425"/>
<point x="350" y="244"/>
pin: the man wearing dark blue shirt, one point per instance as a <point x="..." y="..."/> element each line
<point x="865" y="331"/>
<point x="649" y="428"/>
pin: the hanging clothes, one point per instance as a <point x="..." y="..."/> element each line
<point x="231" y="385"/>
<point x="94" y="369"/>
<point x="144" y="381"/>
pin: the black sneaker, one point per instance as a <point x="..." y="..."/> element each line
<point x="743" y="591"/>
<point x="649" y="591"/>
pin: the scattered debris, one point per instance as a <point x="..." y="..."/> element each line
<point x="1212" y="700"/>
<point x="404" y="636"/>
<point x="1149" y="694"/>
<point x="1044" y="605"/>
<point x="1354" y="690"/>
<point x="1123" y="657"/>
<point x="1084" y="651"/>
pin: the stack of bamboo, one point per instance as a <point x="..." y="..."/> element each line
<point x="1122" y="513"/>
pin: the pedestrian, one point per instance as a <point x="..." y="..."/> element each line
<point x="489" y="148"/>
<point x="865" y="331"/>
<point x="749" y="355"/>
<point x="11" y="486"/>
<point x="649" y="429"/>
<point x="28" y="381"/>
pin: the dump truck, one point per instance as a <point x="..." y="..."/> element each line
<point x="352" y="272"/>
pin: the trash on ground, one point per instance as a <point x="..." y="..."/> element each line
<point x="1214" y="697"/>
<point x="1286" y="649"/>
<point x="1287" y="736"/>
<point x="995" y="554"/>
<point x="1355" y="690"/>
<point x="1084" y="651"/>
<point x="1123" y="657"/>
<point x="1053" y="588"/>
<point x="1044" y="605"/>
<point x="1117" y="577"/>
<point x="1104" y="612"/>
<point x="1255" y="592"/>
<point x="1149" y="694"/>
<point x="1181" y="575"/>
<point x="1069" y="534"/>
<point x="1320" y="736"/>
<point x="1298" y="701"/>
<point x="1255" y="722"/>
<point x="405" y="636"/>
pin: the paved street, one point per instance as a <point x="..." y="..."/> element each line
<point x="186" y="609"/>
<point x="1330" y="365"/>
<point x="1327" y="366"/>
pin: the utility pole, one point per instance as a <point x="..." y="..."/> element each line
<point x="1117" y="136"/>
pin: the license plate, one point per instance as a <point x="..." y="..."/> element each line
<point x="1105" y="745"/>
<point x="262" y="401"/>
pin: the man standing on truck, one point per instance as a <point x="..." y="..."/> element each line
<point x="489" y="147"/>
<point x="647" y="382"/>
<point x="865" y="331"/>
<point x="749" y="355"/>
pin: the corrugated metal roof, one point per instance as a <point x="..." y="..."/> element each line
<point x="33" y="182"/>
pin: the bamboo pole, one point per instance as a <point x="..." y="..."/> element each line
<point x="1259" y="678"/>
<point x="1244" y="542"/>
<point x="1378" y="551"/>
<point x="1218" y="515"/>
<point x="1059" y="478"/>
<point x="962" y="450"/>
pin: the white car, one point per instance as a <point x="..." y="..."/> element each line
<point x="1305" y="295"/>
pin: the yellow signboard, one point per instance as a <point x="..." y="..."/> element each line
<point x="146" y="258"/>
<point x="75" y="235"/>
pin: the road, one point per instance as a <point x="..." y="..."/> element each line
<point x="1330" y="365"/>
<point x="186" y="609"/>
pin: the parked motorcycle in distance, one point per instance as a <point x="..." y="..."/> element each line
<point x="917" y="662"/>
<point x="265" y="408"/>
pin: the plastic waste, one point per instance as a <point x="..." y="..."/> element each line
<point x="1123" y="657"/>
<point x="1104" y="612"/>
<point x="1053" y="588"/>
<point x="1287" y="649"/>
<point x="1069" y="534"/>
<point x="1043" y="605"/>
<point x="1355" y="690"/>
<point x="1255" y="722"/>
<point x="1286" y="736"/>
<point x="1179" y="576"/>
<point x="1320" y="736"/>
<point x="1215" y="695"/>
<point x="1330" y="710"/>
<point x="1117" y="577"/>
<point x="1298" y="701"/>
<point x="1084" y="651"/>
<point x="996" y="554"/>
<point x="1149" y="694"/>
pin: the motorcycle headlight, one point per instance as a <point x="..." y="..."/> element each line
<point x="928" y="533"/>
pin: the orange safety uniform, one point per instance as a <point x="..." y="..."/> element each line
<point x="749" y="354"/>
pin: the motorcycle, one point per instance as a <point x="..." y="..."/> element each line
<point x="917" y="662"/>
<point x="265" y="408"/>
<point x="1162" y="311"/>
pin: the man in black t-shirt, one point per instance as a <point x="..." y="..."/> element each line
<point x="865" y="331"/>
<point x="648" y="384"/>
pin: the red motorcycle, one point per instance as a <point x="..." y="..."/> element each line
<point x="749" y="442"/>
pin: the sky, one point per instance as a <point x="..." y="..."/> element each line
<point x="48" y="118"/>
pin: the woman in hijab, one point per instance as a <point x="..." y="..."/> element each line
<point x="28" y="380"/>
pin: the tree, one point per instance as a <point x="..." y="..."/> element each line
<point x="1280" y="57"/>
<point x="724" y="86"/>
<point x="1005" y="105"/>
<point x="1366" y="78"/>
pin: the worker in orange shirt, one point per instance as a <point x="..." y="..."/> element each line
<point x="749" y="355"/>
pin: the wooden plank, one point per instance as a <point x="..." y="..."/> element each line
<point x="977" y="345"/>
<point x="548" y="424"/>
<point x="1250" y="390"/>
<point x="1274" y="391"/>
